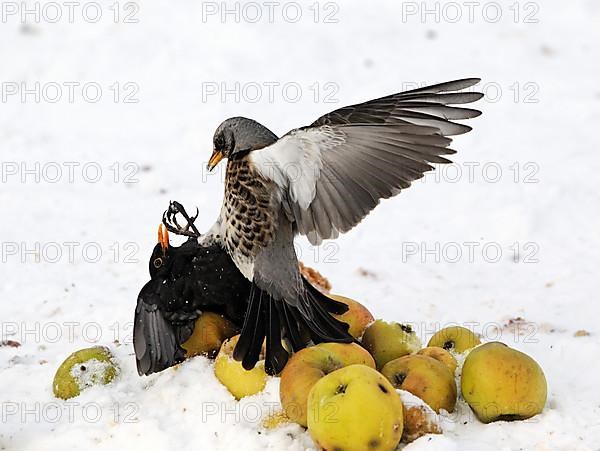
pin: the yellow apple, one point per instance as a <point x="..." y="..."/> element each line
<point x="388" y="341"/>
<point x="239" y="381"/>
<point x="82" y="369"/>
<point x="424" y="377"/>
<point x="210" y="330"/>
<point x="454" y="338"/>
<point x="442" y="355"/>
<point x="358" y="317"/>
<point x="501" y="383"/>
<point x="355" y="408"/>
<point x="309" y="365"/>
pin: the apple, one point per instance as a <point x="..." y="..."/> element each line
<point x="210" y="330"/>
<point x="424" y="377"/>
<point x="454" y="338"/>
<point x="442" y="355"/>
<point x="355" y="408"/>
<point x="358" y="317"/>
<point x="275" y="420"/>
<point x="419" y="418"/>
<point x="309" y="365"/>
<point x="316" y="279"/>
<point x="388" y="341"/>
<point x="82" y="369"/>
<point x="501" y="383"/>
<point x="239" y="381"/>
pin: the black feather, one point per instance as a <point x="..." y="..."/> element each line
<point x="290" y="326"/>
<point x="276" y="356"/>
<point x="191" y="279"/>
<point x="251" y="339"/>
<point x="310" y="320"/>
<point x="154" y="339"/>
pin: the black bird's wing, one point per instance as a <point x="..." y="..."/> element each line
<point x="154" y="338"/>
<point x="335" y="171"/>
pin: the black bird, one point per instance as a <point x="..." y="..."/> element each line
<point x="319" y="181"/>
<point x="185" y="281"/>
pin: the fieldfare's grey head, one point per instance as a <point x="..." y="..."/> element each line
<point x="237" y="136"/>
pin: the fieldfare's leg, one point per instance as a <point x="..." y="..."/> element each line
<point x="170" y="220"/>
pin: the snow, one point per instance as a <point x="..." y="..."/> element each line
<point x="93" y="372"/>
<point x="56" y="299"/>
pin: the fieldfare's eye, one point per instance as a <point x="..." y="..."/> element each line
<point x="158" y="262"/>
<point x="219" y="142"/>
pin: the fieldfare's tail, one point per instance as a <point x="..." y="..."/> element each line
<point x="274" y="319"/>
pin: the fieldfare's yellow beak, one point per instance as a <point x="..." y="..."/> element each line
<point x="216" y="156"/>
<point x="163" y="238"/>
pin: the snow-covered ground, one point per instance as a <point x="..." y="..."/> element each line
<point x="525" y="188"/>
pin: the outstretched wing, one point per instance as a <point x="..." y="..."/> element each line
<point x="335" y="171"/>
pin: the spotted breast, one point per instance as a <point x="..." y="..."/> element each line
<point x="248" y="215"/>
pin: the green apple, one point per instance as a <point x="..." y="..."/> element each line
<point x="307" y="366"/>
<point x="501" y="383"/>
<point x="454" y="338"/>
<point x="355" y="408"/>
<point x="424" y="377"/>
<point x="388" y="341"/>
<point x="83" y="369"/>
<point x="239" y="381"/>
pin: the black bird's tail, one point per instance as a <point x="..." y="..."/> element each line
<point x="308" y="321"/>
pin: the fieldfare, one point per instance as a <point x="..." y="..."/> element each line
<point x="319" y="181"/>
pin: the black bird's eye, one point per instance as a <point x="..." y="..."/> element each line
<point x="158" y="262"/>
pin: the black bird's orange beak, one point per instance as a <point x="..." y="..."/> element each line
<point x="163" y="238"/>
<point x="216" y="156"/>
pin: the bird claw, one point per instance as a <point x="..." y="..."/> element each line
<point x="170" y="220"/>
